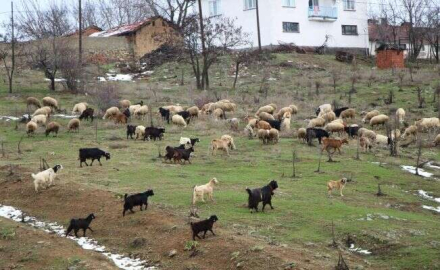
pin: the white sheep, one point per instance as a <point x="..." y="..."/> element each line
<point x="263" y="135"/>
<point x="410" y="131"/>
<point x="73" y="125"/>
<point x="335" y="127"/>
<point x="139" y="132"/>
<point x="428" y="123"/>
<point x="327" y="116"/>
<point x="370" y="115"/>
<point x="80" y="107"/>
<point x="193" y="111"/>
<point x="218" y="114"/>
<point x="265" y="116"/>
<point x="400" y="114"/>
<point x="40" y="119"/>
<point x="45" y="178"/>
<point x="339" y="120"/>
<point x="230" y="141"/>
<point x="174" y="108"/>
<point x="208" y="189"/>
<point x="111" y="112"/>
<point x="133" y="108"/>
<point x="31" y="127"/>
<point x="316" y="122"/>
<point x="51" y="102"/>
<point x="285" y="122"/>
<point x="381" y="140"/>
<point x="268" y="109"/>
<point x="125" y="103"/>
<point x="178" y="120"/>
<point x="380" y="119"/>
<point x="274" y="135"/>
<point x="141" y="112"/>
<point x="349" y="113"/>
<point x="234" y="122"/>
<point x="324" y="108"/>
<point x="364" y="132"/>
<point x="46" y="110"/>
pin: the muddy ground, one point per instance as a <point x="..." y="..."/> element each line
<point x="150" y="235"/>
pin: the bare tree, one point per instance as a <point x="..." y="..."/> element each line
<point x="118" y="12"/>
<point x="176" y="11"/>
<point x="7" y="53"/>
<point x="432" y="30"/>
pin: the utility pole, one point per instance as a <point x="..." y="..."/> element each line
<point x="80" y="33"/>
<point x="258" y="25"/>
<point x="12" y="48"/>
<point x="202" y="35"/>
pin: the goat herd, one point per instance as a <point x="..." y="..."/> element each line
<point x="266" y="125"/>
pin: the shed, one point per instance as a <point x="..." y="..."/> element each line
<point x="390" y="56"/>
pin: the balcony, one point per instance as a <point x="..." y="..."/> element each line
<point x="323" y="13"/>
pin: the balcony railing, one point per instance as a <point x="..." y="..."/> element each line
<point x="323" y="13"/>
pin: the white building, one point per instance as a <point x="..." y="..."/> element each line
<point x="302" y="22"/>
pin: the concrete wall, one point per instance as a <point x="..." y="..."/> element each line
<point x="312" y="32"/>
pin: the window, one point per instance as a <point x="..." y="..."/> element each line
<point x="250" y="4"/>
<point x="349" y="5"/>
<point x="214" y="8"/>
<point x="313" y="3"/>
<point x="290" y="27"/>
<point x="288" y="3"/>
<point x="351" y="30"/>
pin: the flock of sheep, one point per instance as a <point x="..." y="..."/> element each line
<point x="266" y="124"/>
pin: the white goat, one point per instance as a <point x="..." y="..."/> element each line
<point x="200" y="191"/>
<point x="45" y="178"/>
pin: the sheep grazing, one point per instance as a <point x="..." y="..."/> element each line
<point x="80" y="107"/>
<point x="31" y="101"/>
<point x="339" y="111"/>
<point x="73" y="125"/>
<point x="208" y="189"/>
<point x="120" y="118"/>
<point x="131" y="130"/>
<point x="285" y="122"/>
<point x="187" y="141"/>
<point x="260" y="124"/>
<point x="45" y="178"/>
<point x="111" y="113"/>
<point x="437" y="140"/>
<point x="31" y="127"/>
<point x="86" y="114"/>
<point x="324" y="108"/>
<point x="340" y="121"/>
<point x="125" y="103"/>
<point x="292" y="109"/>
<point x="365" y="143"/>
<point x="230" y="141"/>
<point x="174" y="108"/>
<point x="182" y="154"/>
<point x="219" y="114"/>
<point x="139" y="131"/>
<point x="133" y="108"/>
<point x="395" y="133"/>
<point x="301" y="134"/>
<point x="153" y="133"/>
<point x="274" y="135"/>
<point x="234" y="122"/>
<point x="92" y="153"/>
<point x="380" y="119"/>
<point x="40" y="119"/>
<point x="349" y="113"/>
<point x="266" y="116"/>
<point x="410" y="131"/>
<point x="400" y="114"/>
<point x="225" y="105"/>
<point x="370" y="115"/>
<point x="140" y="199"/>
<point x="316" y="122"/>
<point x="263" y="194"/>
<point x="178" y="120"/>
<point x="335" y="128"/>
<point x="203" y="226"/>
<point x="220" y="145"/>
<point x="46" y="110"/>
<point x="363" y="132"/>
<point x="335" y="144"/>
<point x="382" y="140"/>
<point x="263" y="135"/>
<point x="327" y="116"/>
<point x="267" y="109"/>
<point x="52" y="127"/>
<point x="318" y="133"/>
<point x="165" y="114"/>
<point x="426" y="124"/>
<point x="252" y="121"/>
<point x="51" y="102"/>
<point x="205" y="108"/>
<point x="185" y="115"/>
<point x="193" y="111"/>
<point x="80" y="224"/>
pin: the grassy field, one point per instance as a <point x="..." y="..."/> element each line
<point x="395" y="228"/>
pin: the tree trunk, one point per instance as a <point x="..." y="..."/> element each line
<point x="52" y="84"/>
<point x="237" y="68"/>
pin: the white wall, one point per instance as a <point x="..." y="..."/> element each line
<point x="425" y="54"/>
<point x="312" y="33"/>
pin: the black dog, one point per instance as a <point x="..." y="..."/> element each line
<point x="263" y="194"/>
<point x="135" y="200"/>
<point x="80" y="224"/>
<point x="203" y="226"/>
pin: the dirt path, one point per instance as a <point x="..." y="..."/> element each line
<point x="151" y="235"/>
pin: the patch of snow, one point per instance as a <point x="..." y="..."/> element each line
<point x="9" y="118"/>
<point x="359" y="250"/>
<point x="148" y="72"/>
<point x="272" y="79"/>
<point x="65" y="116"/>
<point x="432" y="166"/>
<point x="101" y="79"/>
<point x="425" y="195"/>
<point x="120" y="77"/>
<point x="412" y="169"/>
<point x="432" y="208"/>
<point x="120" y="261"/>
<point x="56" y="80"/>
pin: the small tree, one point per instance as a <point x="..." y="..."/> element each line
<point x="336" y="75"/>
<point x="401" y="76"/>
<point x="420" y="97"/>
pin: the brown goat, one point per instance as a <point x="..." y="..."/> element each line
<point x="120" y="118"/>
<point x="336" y="144"/>
<point x="263" y="125"/>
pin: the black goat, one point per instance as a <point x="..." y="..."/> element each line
<point x="203" y="226"/>
<point x="165" y="114"/>
<point x="153" y="133"/>
<point x="92" y="153"/>
<point x="352" y="131"/>
<point x="339" y="111"/>
<point x="127" y="113"/>
<point x="131" y="131"/>
<point x="184" y="154"/>
<point x="263" y="194"/>
<point x="86" y="114"/>
<point x="135" y="200"/>
<point x="312" y="133"/>
<point x="275" y="124"/>
<point x="80" y="224"/>
<point x="194" y="141"/>
<point x="185" y="115"/>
